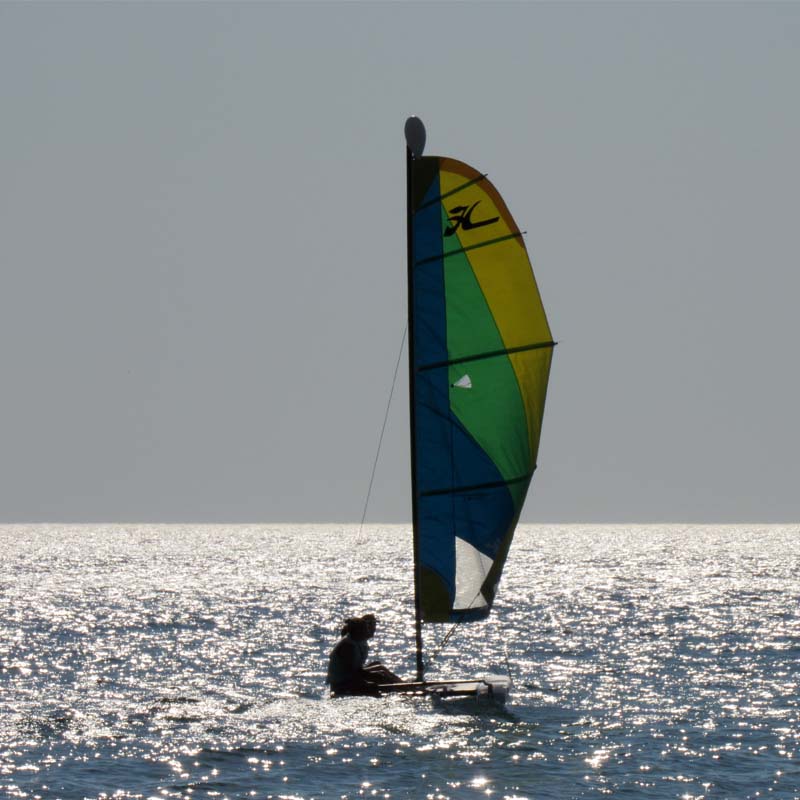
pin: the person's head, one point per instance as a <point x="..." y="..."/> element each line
<point x="358" y="629"/>
<point x="370" y="621"/>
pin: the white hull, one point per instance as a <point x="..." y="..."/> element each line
<point x="491" y="687"/>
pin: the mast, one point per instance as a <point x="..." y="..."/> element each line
<point x="415" y="143"/>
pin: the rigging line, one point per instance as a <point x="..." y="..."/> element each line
<point x="383" y="429"/>
<point x="508" y="663"/>
<point x="446" y="639"/>
<point x="441" y="644"/>
<point x="453" y="627"/>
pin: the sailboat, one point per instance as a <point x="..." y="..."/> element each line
<point x="479" y="359"/>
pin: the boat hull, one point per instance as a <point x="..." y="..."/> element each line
<point x="491" y="687"/>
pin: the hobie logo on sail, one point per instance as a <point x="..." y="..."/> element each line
<point x="464" y="382"/>
<point x="461" y="216"/>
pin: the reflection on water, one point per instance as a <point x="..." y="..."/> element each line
<point x="168" y="661"/>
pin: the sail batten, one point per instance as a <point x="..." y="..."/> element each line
<point x="479" y="359"/>
<point x="491" y="354"/>
<point x="476" y="487"/>
<point x="458" y="251"/>
<point x="453" y="191"/>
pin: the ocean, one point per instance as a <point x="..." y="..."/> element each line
<point x="162" y="661"/>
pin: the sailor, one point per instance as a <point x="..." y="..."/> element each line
<point x="348" y="670"/>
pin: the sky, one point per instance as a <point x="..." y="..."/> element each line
<point x="202" y="250"/>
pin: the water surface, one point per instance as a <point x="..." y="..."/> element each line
<point x="188" y="661"/>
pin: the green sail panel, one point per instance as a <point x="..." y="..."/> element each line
<point x="482" y="350"/>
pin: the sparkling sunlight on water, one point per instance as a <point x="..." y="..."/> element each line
<point x="188" y="661"/>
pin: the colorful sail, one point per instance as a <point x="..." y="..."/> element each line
<point x="481" y="351"/>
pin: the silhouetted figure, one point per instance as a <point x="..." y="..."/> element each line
<point x="348" y="670"/>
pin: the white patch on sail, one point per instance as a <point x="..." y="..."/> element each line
<point x="464" y="382"/>
<point x="472" y="567"/>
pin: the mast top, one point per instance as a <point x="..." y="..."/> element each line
<point x="415" y="136"/>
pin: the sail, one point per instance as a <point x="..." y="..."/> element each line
<point x="480" y="359"/>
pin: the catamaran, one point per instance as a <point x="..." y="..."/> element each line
<point x="479" y="358"/>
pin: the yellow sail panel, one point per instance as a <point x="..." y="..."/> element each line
<point x="487" y="233"/>
<point x="490" y="239"/>
<point x="532" y="368"/>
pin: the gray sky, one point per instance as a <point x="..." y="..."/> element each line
<point x="202" y="244"/>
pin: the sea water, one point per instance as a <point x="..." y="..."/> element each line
<point x="188" y="662"/>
